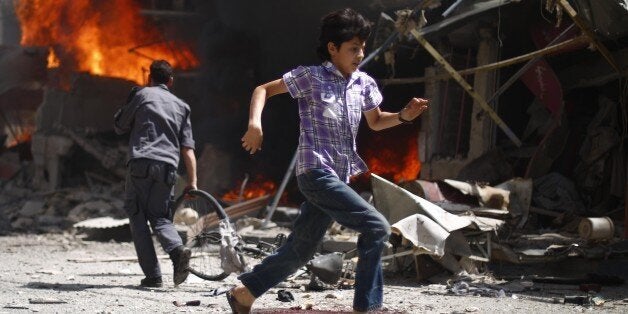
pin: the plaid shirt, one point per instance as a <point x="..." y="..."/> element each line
<point x="330" y="109"/>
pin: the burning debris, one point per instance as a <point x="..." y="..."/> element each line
<point x="107" y="38"/>
<point x="461" y="202"/>
<point x="81" y="60"/>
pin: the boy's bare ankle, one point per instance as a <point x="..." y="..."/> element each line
<point x="243" y="295"/>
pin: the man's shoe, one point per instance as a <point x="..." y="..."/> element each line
<point x="181" y="264"/>
<point x="152" y="282"/>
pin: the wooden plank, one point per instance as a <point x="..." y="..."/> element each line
<point x="496" y="65"/>
<point x="233" y="212"/>
<point x="589" y="33"/>
<point x="456" y="76"/>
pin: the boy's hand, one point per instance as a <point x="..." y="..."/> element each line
<point x="252" y="139"/>
<point x="414" y="108"/>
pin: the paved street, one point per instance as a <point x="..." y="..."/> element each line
<point x="39" y="273"/>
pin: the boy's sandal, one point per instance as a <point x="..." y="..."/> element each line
<point x="236" y="308"/>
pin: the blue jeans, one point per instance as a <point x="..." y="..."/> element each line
<point x="327" y="199"/>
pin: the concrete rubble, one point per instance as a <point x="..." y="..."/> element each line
<point x="483" y="218"/>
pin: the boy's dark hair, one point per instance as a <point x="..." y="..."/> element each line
<point x="160" y="71"/>
<point x="340" y="26"/>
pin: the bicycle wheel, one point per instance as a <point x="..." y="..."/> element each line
<point x="201" y="213"/>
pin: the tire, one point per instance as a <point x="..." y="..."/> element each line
<point x="206" y="263"/>
<point x="203" y="235"/>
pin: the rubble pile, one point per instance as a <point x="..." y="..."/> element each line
<point x="29" y="209"/>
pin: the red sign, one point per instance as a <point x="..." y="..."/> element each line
<point x="544" y="84"/>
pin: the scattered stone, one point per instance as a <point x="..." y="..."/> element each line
<point x="22" y="223"/>
<point x="332" y="296"/>
<point x="45" y="301"/>
<point x="32" y="208"/>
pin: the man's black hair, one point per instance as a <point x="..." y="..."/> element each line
<point x="340" y="26"/>
<point x="160" y="72"/>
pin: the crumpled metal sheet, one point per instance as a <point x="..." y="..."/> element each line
<point x="397" y="203"/>
<point x="425" y="225"/>
<point x="423" y="233"/>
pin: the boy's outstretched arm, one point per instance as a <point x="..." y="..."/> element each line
<point x="252" y="139"/>
<point x="379" y="120"/>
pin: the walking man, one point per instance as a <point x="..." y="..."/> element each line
<point x="160" y="133"/>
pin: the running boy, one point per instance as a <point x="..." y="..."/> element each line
<point x="331" y="98"/>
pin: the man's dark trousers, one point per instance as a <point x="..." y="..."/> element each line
<point x="149" y="194"/>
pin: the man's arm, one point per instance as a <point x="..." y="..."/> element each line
<point x="123" y="118"/>
<point x="189" y="159"/>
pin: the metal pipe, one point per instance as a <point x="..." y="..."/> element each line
<point x="270" y="210"/>
<point x="451" y="8"/>
<point x="526" y="66"/>
<point x="381" y="48"/>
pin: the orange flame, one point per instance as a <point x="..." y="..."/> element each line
<point x="258" y="187"/>
<point x="107" y="38"/>
<point x="400" y="162"/>
<point x="22" y="134"/>
<point x="53" y="60"/>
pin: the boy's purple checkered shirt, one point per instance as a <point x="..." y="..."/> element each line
<point x="330" y="109"/>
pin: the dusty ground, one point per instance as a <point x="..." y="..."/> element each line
<point x="37" y="268"/>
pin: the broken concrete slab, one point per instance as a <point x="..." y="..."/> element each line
<point x="90" y="209"/>
<point x="47" y="152"/>
<point x="105" y="228"/>
<point x="32" y="208"/>
<point x="519" y="199"/>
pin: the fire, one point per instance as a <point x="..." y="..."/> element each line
<point x="397" y="159"/>
<point x="255" y="188"/>
<point x="53" y="60"/>
<point x="108" y="38"/>
<point x="22" y="134"/>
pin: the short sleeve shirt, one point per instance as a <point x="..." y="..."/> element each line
<point x="159" y="124"/>
<point x="330" y="109"/>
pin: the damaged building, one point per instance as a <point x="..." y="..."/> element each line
<point x="520" y="161"/>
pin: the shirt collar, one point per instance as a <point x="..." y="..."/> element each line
<point x="163" y="86"/>
<point x="332" y="69"/>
